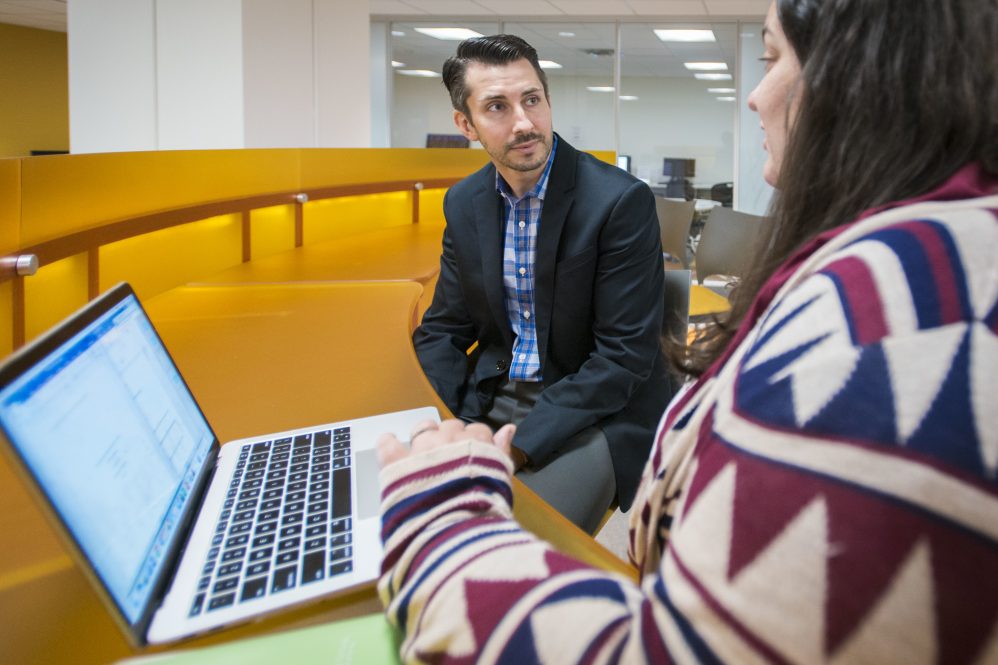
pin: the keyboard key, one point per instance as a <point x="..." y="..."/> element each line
<point x="340" y="567"/>
<point x="300" y="466"/>
<point x="230" y="568"/>
<point x="317" y="530"/>
<point x="273" y="494"/>
<point x="287" y="557"/>
<point x="261" y="541"/>
<point x="319" y="496"/>
<point x="313" y="543"/>
<point x="221" y="601"/>
<point x="217" y="539"/>
<point x="295" y="496"/>
<point x="235" y="541"/>
<point x="258" y="568"/>
<point x="340" y="539"/>
<point x="294" y="487"/>
<point x="204" y="583"/>
<point x="289" y="544"/>
<point x="226" y="584"/>
<point x="313" y="567"/>
<point x="261" y="447"/>
<point x="293" y="518"/>
<point x="284" y="578"/>
<point x="249" y="494"/>
<point x="230" y="555"/>
<point x="316" y="518"/>
<point x="316" y="507"/>
<point x="266" y="527"/>
<point x="295" y="507"/>
<point x="242" y="527"/>
<point x="254" y="588"/>
<point x="269" y="515"/>
<point x="341" y="553"/>
<point x="341" y="493"/>
<point x="290" y="530"/>
<point x="246" y="505"/>
<point x="341" y="463"/>
<point x="340" y="526"/>
<point x="213" y="552"/>
<point x="270" y="505"/>
<point x="320" y="475"/>
<point x="197" y="606"/>
<point x="265" y="553"/>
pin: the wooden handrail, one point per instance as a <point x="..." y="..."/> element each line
<point x="86" y="240"/>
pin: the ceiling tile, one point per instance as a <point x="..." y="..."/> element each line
<point x="593" y="7"/>
<point x="393" y="7"/>
<point x="521" y="7"/>
<point x="737" y="7"/>
<point x="672" y="8"/>
<point x="449" y="7"/>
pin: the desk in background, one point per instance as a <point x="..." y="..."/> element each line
<point x="258" y="358"/>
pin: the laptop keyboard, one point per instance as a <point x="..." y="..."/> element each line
<point x="286" y="521"/>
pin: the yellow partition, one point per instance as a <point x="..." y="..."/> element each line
<point x="347" y="215"/>
<point x="6" y="305"/>
<point x="158" y="261"/>
<point x="272" y="230"/>
<point x="53" y="293"/>
<point x="10" y="204"/>
<point x="73" y="192"/>
<point x="322" y="167"/>
<point x="431" y="205"/>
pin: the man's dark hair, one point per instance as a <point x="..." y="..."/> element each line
<point x="491" y="50"/>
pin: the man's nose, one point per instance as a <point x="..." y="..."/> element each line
<point x="522" y="124"/>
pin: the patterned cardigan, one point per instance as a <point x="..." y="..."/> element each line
<point x="827" y="493"/>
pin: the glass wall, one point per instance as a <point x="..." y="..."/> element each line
<point x="642" y="89"/>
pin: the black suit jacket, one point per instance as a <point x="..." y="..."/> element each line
<point x="598" y="307"/>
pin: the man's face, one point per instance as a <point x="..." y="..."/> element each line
<point x="509" y="115"/>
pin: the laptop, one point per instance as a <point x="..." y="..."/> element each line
<point x="181" y="534"/>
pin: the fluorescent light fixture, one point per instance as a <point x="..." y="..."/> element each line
<point x="566" y="34"/>
<point x="712" y="77"/>
<point x="397" y="64"/>
<point x="450" y="34"/>
<point x="706" y="66"/>
<point x="628" y="98"/>
<point x="686" y="35"/>
<point x="425" y="73"/>
<point x="723" y="91"/>
<point x="725" y="99"/>
<point x="398" y="33"/>
<point x="599" y="88"/>
<point x="548" y="64"/>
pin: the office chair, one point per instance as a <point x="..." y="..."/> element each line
<point x="728" y="243"/>
<point x="674" y="220"/>
<point x="723" y="193"/>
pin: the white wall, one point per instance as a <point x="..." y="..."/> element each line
<point x="206" y="74"/>
<point x="278" y="74"/>
<point x="112" y="84"/>
<point x="752" y="194"/>
<point x="381" y="85"/>
<point x="199" y="56"/>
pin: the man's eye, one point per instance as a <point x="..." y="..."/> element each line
<point x="494" y="107"/>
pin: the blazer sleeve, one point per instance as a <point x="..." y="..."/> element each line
<point x="446" y="332"/>
<point x="628" y="294"/>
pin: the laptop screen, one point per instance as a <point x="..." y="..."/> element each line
<point x="114" y="438"/>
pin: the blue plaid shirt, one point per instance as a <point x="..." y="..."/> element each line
<point x="523" y="217"/>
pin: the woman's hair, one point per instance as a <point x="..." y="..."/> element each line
<point x="895" y="96"/>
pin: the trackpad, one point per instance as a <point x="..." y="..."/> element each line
<point x="368" y="489"/>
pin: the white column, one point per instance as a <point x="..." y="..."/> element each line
<point x="752" y="194"/>
<point x="207" y="74"/>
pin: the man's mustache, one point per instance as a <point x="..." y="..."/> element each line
<point x="525" y="139"/>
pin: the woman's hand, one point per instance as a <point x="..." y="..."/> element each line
<point x="428" y="435"/>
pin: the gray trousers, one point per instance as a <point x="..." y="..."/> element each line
<point x="578" y="482"/>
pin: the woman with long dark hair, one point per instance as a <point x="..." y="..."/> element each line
<point x="825" y="489"/>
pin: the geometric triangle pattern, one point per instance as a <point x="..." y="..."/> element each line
<point x="834" y="500"/>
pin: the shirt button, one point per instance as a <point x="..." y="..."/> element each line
<point x="526" y="314"/>
<point x="523" y="271"/>
<point x="522" y="224"/>
<point x="523" y="357"/>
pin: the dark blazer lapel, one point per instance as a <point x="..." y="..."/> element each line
<point x="487" y="208"/>
<point x="557" y="202"/>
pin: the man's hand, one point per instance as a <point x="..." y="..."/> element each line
<point x="427" y="435"/>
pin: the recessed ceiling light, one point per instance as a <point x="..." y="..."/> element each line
<point x="396" y="63"/>
<point x="451" y="34"/>
<point x="398" y="33"/>
<point x="425" y="73"/>
<point x="706" y="66"/>
<point x="628" y="98"/>
<point x="686" y="35"/>
<point x="549" y="64"/>
<point x="600" y="88"/>
<point x="725" y="99"/>
<point x="566" y="34"/>
<point x="723" y="91"/>
<point x="713" y="77"/>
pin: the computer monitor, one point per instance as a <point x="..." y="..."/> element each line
<point x="446" y="141"/>
<point x="678" y="168"/>
<point x="624" y="162"/>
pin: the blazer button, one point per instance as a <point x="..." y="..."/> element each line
<point x="500" y="365"/>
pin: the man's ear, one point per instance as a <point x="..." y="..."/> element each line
<point x="464" y="126"/>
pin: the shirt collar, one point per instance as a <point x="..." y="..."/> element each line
<point x="537" y="191"/>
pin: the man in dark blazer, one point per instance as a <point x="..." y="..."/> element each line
<point x="552" y="270"/>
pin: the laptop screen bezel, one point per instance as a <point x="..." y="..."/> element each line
<point x="34" y="352"/>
